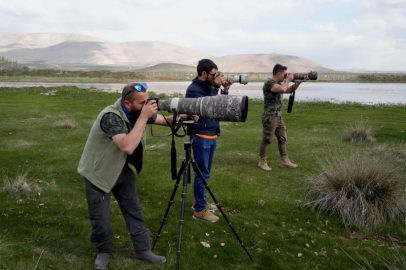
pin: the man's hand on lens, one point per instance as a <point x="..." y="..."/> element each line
<point x="227" y="85"/>
<point x="306" y="78"/>
<point x="219" y="80"/>
<point x="195" y="117"/>
<point x="149" y="109"/>
<point x="189" y="117"/>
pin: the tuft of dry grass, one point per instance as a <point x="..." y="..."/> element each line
<point x="360" y="132"/>
<point x="391" y="151"/>
<point x="65" y="123"/>
<point x="360" y="189"/>
<point x="320" y="130"/>
<point x="397" y="262"/>
<point x="23" y="144"/>
<point x="3" y="245"/>
<point x="22" y="186"/>
<point x="155" y="147"/>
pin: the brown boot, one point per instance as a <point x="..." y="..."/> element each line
<point x="263" y="165"/>
<point x="285" y="162"/>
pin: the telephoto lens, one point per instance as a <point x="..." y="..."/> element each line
<point x="224" y="108"/>
<point x="242" y="79"/>
<point x="300" y="76"/>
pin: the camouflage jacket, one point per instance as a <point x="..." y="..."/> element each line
<point x="272" y="101"/>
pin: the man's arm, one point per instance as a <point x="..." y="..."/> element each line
<point x="282" y="88"/>
<point x="129" y="142"/>
<point x="161" y="121"/>
<point x="293" y="87"/>
<point x="220" y="81"/>
<point x="285" y="88"/>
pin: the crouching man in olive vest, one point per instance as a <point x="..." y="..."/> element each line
<point x="116" y="139"/>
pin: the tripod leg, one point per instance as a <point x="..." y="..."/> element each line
<point x="175" y="188"/>
<point x="196" y="169"/>
<point x="186" y="177"/>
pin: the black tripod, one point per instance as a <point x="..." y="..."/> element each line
<point x="185" y="172"/>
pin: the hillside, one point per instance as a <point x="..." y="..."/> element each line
<point x="81" y="51"/>
<point x="169" y="67"/>
<point x="259" y="63"/>
<point x="10" y="41"/>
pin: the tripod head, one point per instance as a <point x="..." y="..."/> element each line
<point x="189" y="124"/>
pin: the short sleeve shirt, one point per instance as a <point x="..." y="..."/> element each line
<point x="112" y="124"/>
<point x="272" y="101"/>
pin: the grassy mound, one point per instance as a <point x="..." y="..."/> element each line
<point x="360" y="189"/>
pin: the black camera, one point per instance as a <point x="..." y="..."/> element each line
<point x="300" y="76"/>
<point x="154" y="98"/>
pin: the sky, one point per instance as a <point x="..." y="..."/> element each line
<point x="346" y="34"/>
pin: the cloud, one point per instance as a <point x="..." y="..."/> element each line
<point x="330" y="27"/>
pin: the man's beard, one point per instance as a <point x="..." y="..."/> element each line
<point x="134" y="113"/>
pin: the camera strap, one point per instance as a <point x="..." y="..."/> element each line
<point x="176" y="125"/>
<point x="291" y="101"/>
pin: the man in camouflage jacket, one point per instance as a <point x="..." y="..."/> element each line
<point x="272" y="121"/>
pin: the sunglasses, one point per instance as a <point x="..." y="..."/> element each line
<point x="138" y="88"/>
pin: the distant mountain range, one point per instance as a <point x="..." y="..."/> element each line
<point x="82" y="51"/>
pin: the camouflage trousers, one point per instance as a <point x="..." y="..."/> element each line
<point x="273" y="125"/>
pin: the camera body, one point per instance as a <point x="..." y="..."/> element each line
<point x="154" y="98"/>
<point x="300" y="76"/>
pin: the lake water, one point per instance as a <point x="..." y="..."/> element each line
<point x="366" y="93"/>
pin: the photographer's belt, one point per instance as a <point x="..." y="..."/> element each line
<point x="207" y="136"/>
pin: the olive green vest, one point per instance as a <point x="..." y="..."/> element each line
<point x="102" y="160"/>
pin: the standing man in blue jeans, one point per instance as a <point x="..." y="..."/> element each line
<point x="207" y="83"/>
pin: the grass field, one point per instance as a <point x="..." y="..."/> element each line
<point x="41" y="140"/>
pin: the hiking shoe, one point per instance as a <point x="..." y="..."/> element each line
<point x="102" y="260"/>
<point x="209" y="206"/>
<point x="149" y="256"/>
<point x="285" y="162"/>
<point x="262" y="164"/>
<point x="205" y="215"/>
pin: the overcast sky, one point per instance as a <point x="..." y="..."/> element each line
<point x="346" y="34"/>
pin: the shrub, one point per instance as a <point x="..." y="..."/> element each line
<point x="360" y="132"/>
<point x="393" y="151"/>
<point x="360" y="189"/>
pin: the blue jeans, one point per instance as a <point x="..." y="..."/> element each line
<point x="203" y="151"/>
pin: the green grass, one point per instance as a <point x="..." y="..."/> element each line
<point x="52" y="230"/>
